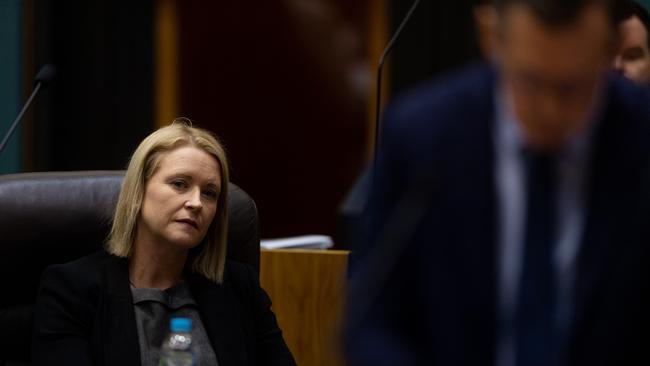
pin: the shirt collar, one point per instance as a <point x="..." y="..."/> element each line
<point x="509" y="137"/>
<point x="173" y="297"/>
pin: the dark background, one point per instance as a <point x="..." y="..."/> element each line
<point x="280" y="82"/>
<point x="101" y="104"/>
<point x="440" y="37"/>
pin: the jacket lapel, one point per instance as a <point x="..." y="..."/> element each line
<point x="121" y="345"/>
<point x="220" y="314"/>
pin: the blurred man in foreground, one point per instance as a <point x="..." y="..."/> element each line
<point x="633" y="57"/>
<point x="510" y="212"/>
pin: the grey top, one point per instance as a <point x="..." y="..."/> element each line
<point x="153" y="309"/>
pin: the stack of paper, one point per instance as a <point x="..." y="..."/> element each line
<point x="299" y="242"/>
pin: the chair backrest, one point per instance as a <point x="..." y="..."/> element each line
<point x="56" y="217"/>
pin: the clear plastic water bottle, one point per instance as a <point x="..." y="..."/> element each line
<point x="176" y="349"/>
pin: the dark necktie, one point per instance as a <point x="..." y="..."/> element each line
<point x="536" y="309"/>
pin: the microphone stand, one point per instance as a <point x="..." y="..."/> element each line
<point x="380" y="68"/>
<point x="5" y="140"/>
<point x="45" y="75"/>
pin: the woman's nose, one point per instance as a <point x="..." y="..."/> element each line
<point x="194" y="200"/>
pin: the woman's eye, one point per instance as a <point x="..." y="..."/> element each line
<point x="179" y="184"/>
<point x="211" y="194"/>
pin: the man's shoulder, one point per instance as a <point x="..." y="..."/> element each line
<point x="449" y="105"/>
<point x="629" y="99"/>
<point x="441" y="116"/>
<point x="454" y="91"/>
<point x="627" y="116"/>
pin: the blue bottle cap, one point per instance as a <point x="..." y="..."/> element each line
<point x="180" y="325"/>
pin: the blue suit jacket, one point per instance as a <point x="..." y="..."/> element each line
<point x="429" y="294"/>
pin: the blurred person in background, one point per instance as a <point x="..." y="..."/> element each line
<point x="508" y="221"/>
<point x="165" y="257"/>
<point x="633" y="56"/>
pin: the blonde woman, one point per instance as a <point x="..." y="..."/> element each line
<point x="165" y="257"/>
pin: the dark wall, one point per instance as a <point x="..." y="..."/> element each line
<point x="100" y="106"/>
<point x="281" y="82"/>
<point x="440" y="37"/>
<point x="275" y="80"/>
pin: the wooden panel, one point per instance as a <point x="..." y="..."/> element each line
<point x="166" y="63"/>
<point x="307" y="288"/>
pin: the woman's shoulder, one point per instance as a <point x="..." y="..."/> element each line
<point x="236" y="275"/>
<point x="240" y="274"/>
<point x="83" y="272"/>
<point x="84" y="264"/>
<point x="239" y="280"/>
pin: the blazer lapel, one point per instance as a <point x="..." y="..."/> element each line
<point x="220" y="314"/>
<point x="121" y="345"/>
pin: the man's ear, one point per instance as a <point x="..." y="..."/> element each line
<point x="485" y="19"/>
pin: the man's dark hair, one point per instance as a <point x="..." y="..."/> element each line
<point x="629" y="9"/>
<point x="559" y="12"/>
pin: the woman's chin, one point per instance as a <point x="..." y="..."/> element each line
<point x="185" y="242"/>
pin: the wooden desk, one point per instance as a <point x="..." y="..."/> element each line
<point x="307" y="288"/>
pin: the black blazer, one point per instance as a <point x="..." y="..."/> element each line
<point x="84" y="316"/>
<point x="438" y="305"/>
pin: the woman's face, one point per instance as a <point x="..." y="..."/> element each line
<point x="180" y="199"/>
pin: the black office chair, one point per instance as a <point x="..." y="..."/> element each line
<point x="56" y="217"/>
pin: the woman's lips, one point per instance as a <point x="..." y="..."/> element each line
<point x="189" y="222"/>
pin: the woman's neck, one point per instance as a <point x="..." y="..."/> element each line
<point x="155" y="266"/>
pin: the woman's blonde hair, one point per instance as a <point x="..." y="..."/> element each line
<point x="208" y="259"/>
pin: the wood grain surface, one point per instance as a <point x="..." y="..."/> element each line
<point x="307" y="288"/>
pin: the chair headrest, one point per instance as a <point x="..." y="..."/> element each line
<point x="56" y="217"/>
